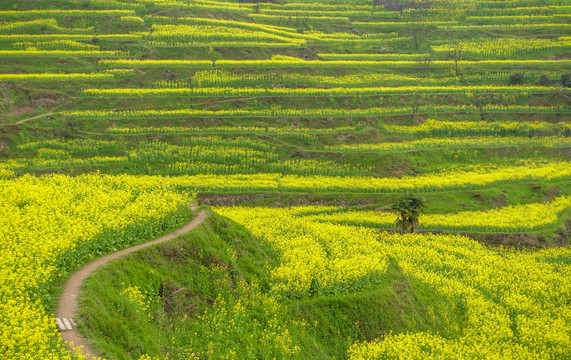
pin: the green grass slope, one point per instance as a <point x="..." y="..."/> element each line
<point x="206" y="293"/>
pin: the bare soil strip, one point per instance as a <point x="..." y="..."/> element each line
<point x="67" y="308"/>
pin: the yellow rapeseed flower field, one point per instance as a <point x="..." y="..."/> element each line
<point x="48" y="226"/>
<point x="514" y="304"/>
<point x="314" y="256"/>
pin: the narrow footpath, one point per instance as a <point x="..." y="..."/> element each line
<point x="67" y="308"/>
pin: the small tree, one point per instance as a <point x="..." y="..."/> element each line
<point x="565" y="80"/>
<point x="543" y="80"/>
<point x="455" y="54"/>
<point x="515" y="79"/>
<point x="418" y="32"/>
<point x="408" y="211"/>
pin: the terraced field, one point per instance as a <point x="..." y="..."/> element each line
<point x="296" y="125"/>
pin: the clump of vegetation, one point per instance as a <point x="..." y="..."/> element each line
<point x="408" y="211"/>
<point x="516" y="79"/>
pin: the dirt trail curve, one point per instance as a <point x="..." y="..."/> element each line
<point x="67" y="308"/>
<point x="34" y="117"/>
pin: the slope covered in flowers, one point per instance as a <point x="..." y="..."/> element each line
<point x="52" y="224"/>
<point x="515" y="304"/>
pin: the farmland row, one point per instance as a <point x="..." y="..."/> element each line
<point x="516" y="218"/>
<point x="309" y="113"/>
<point x="298" y="63"/>
<point x="470" y="178"/>
<point x="230" y="91"/>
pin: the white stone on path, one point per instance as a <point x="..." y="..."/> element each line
<point x="65" y="324"/>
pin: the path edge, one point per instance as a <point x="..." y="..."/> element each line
<point x="68" y="300"/>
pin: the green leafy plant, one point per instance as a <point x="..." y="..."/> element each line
<point x="408" y="211"/>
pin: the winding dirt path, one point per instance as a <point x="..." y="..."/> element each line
<point x="67" y="308"/>
<point x="33" y="117"/>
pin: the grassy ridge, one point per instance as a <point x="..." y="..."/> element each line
<point x="186" y="280"/>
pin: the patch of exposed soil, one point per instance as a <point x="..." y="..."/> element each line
<point x="511" y="239"/>
<point x="45" y="100"/>
<point x="22" y="110"/>
<point x="500" y="200"/>
<point x="181" y="300"/>
<point x="346" y="137"/>
<point x="230" y="199"/>
<point x="401" y="170"/>
<point x="552" y="193"/>
<point x="3" y="146"/>
<point x="523" y="240"/>
<point x="563" y="234"/>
